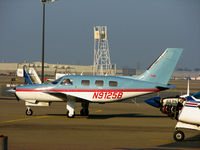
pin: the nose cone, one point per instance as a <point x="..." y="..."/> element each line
<point x="13" y="90"/>
<point x="155" y="102"/>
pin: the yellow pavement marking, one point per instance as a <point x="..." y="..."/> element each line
<point x="98" y="111"/>
<point x="87" y="116"/>
<point x="37" y="117"/>
<point x="23" y="119"/>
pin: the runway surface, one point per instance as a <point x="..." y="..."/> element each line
<point x="116" y="126"/>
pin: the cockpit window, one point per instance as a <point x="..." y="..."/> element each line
<point x="56" y="81"/>
<point x="197" y="95"/>
<point x="67" y="82"/>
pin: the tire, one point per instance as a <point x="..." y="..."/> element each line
<point x="81" y="112"/>
<point x="69" y="115"/>
<point x="179" y="136"/>
<point x="84" y="112"/>
<point x="29" y="112"/>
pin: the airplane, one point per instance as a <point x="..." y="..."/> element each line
<point x="185" y="109"/>
<point x="100" y="89"/>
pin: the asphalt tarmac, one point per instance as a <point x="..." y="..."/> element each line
<point x="113" y="126"/>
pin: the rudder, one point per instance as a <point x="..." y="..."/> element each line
<point x="161" y="70"/>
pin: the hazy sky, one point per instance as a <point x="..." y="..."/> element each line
<point x="138" y="30"/>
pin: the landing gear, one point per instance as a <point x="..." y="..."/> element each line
<point x="84" y="111"/>
<point x="179" y="136"/>
<point x="29" y="111"/>
<point x="70" y="115"/>
<point x="70" y="108"/>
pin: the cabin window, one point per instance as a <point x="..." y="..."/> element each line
<point x="113" y="83"/>
<point x="99" y="82"/>
<point x="85" y="82"/>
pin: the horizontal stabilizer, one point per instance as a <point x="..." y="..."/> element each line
<point x="162" y="88"/>
<point x="155" y="102"/>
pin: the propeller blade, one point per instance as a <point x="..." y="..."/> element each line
<point x="13" y="90"/>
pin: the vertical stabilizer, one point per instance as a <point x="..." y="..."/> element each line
<point x="161" y="70"/>
<point x="188" y="87"/>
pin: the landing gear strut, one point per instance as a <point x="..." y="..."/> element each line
<point x="29" y="111"/>
<point x="84" y="111"/>
<point x="70" y="108"/>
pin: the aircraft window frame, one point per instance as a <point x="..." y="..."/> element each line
<point x="99" y="82"/>
<point x="85" y="82"/>
<point x="113" y="83"/>
<point x="57" y="81"/>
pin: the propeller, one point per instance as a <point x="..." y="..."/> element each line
<point x="13" y="91"/>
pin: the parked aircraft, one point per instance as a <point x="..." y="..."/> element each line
<point x="99" y="89"/>
<point x="185" y="109"/>
<point x="29" y="74"/>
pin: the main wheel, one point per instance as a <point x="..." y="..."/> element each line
<point x="179" y="136"/>
<point x="84" y="112"/>
<point x="29" y="112"/>
<point x="69" y="115"/>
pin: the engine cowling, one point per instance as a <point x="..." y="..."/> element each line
<point x="172" y="106"/>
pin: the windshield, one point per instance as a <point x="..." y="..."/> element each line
<point x="56" y="81"/>
<point x="197" y="95"/>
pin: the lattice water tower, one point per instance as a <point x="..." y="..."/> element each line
<point x="102" y="63"/>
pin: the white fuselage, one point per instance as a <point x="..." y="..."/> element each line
<point x="90" y="95"/>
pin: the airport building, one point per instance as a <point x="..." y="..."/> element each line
<point x="51" y="69"/>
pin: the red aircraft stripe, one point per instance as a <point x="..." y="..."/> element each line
<point x="193" y="104"/>
<point x="153" y="75"/>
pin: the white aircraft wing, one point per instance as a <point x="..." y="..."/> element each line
<point x="63" y="95"/>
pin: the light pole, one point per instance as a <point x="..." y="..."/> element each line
<point x="43" y="34"/>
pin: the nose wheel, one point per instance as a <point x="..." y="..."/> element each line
<point x="70" y="114"/>
<point x="179" y="136"/>
<point x="70" y="108"/>
<point x="29" y="111"/>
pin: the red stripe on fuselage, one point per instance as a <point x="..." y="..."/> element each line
<point x="193" y="104"/>
<point x="87" y="90"/>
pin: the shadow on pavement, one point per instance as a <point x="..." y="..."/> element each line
<point x="189" y="143"/>
<point x="131" y="115"/>
<point x="192" y="142"/>
<point x="105" y="116"/>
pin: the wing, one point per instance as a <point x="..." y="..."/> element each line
<point x="57" y="94"/>
<point x="63" y="96"/>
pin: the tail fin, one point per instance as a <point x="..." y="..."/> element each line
<point x="27" y="77"/>
<point x="188" y="90"/>
<point x="161" y="70"/>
